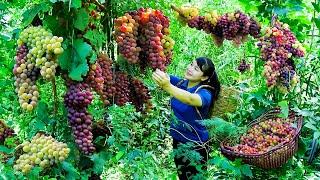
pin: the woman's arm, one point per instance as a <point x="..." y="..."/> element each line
<point x="163" y="80"/>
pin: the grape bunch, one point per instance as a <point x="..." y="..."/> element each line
<point x="36" y="54"/>
<point x="111" y="86"/>
<point x="278" y="47"/>
<point x="264" y="136"/>
<point x="212" y="17"/>
<point x="42" y="151"/>
<point x="167" y="44"/>
<point x="100" y="78"/>
<point x="26" y="75"/>
<point x="43" y="49"/>
<point x="140" y="96"/>
<point x="243" y="66"/>
<point x="5" y="131"/>
<point x="95" y="78"/>
<point x="145" y="44"/>
<point x="108" y="90"/>
<point x="77" y="100"/>
<point x="122" y="85"/>
<point x="187" y="12"/>
<point x="126" y="31"/>
<point x="231" y="26"/>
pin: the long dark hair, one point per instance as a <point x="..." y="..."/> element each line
<point x="207" y="67"/>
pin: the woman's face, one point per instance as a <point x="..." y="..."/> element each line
<point x="194" y="73"/>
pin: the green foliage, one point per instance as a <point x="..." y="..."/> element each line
<point x="95" y="37"/>
<point x="81" y="20"/>
<point x="220" y="129"/>
<point x="30" y="13"/>
<point x="74" y="59"/>
<point x="139" y="146"/>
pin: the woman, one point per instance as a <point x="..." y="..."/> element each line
<point x="192" y="100"/>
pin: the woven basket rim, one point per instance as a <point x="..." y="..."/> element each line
<point x="298" y="119"/>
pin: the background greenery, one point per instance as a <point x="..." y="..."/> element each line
<point x="140" y="147"/>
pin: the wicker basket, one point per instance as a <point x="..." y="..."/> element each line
<point x="277" y="155"/>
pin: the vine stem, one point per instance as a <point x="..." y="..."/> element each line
<point x="178" y="11"/>
<point x="55" y="98"/>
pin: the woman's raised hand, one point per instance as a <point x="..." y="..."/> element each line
<point x="161" y="78"/>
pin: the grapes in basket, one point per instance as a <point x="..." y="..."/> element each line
<point x="264" y="136"/>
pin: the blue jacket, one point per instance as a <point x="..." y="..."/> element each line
<point x="187" y="116"/>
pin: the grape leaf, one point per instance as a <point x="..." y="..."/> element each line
<point x="34" y="173"/>
<point x="6" y="150"/>
<point x="245" y="169"/>
<point x="82" y="19"/>
<point x="93" y="58"/>
<point x="72" y="172"/>
<point x="3" y="6"/>
<point x="316" y="6"/>
<point x="284" y="109"/>
<point x="42" y="111"/>
<point x="99" y="161"/>
<point x="65" y="59"/>
<point x="95" y="37"/>
<point x="317" y="21"/>
<point x="76" y="4"/>
<point x="31" y="12"/>
<point x="52" y="23"/>
<point x="74" y="59"/>
<point x="280" y="10"/>
<point x="80" y="69"/>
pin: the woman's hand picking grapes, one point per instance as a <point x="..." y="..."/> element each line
<point x="161" y="78"/>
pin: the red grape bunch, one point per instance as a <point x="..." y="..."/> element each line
<point x="278" y="47"/>
<point x="264" y="136"/>
<point x="77" y="100"/>
<point x="95" y="77"/>
<point x="146" y="44"/>
<point x="126" y="32"/>
<point x="5" y="131"/>
<point x="42" y="151"/>
<point x="140" y="96"/>
<point x="122" y="85"/>
<point x="231" y="26"/>
<point x="108" y="89"/>
<point x="100" y="78"/>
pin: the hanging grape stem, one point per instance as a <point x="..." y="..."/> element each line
<point x="178" y="11"/>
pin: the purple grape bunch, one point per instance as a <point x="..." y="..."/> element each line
<point x="77" y="100"/>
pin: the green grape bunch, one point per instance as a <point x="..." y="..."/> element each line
<point x="42" y="151"/>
